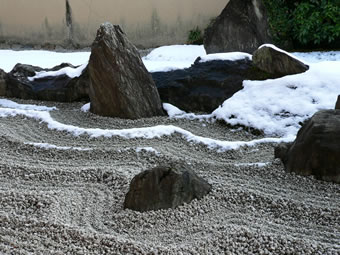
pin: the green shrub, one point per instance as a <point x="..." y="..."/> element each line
<point x="195" y="36"/>
<point x="308" y="23"/>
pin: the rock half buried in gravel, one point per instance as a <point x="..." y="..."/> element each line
<point x="316" y="150"/>
<point x="277" y="62"/>
<point x="120" y="84"/>
<point x="165" y="187"/>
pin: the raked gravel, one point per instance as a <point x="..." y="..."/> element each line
<point x="69" y="201"/>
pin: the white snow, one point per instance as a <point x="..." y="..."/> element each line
<point x="10" y="104"/>
<point x="275" y="106"/>
<point x="318" y="56"/>
<point x="278" y="106"/>
<point x="232" y="56"/>
<point x="48" y="146"/>
<point x="44" y="59"/>
<point x="281" y="50"/>
<point x="168" y="58"/>
<point x="69" y="71"/>
<point x="145" y="132"/>
<point x="147" y="149"/>
<point x="85" y="107"/>
<point x="172" y="110"/>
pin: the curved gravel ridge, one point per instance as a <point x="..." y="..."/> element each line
<point x="66" y="201"/>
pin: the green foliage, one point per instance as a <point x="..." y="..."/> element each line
<point x="195" y="36"/>
<point x="306" y="22"/>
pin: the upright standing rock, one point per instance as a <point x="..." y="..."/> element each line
<point x="242" y="26"/>
<point x="120" y="84"/>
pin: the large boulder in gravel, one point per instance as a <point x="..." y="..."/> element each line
<point x="3" y="85"/>
<point x="316" y="150"/>
<point x="57" y="87"/>
<point x="242" y="26"/>
<point x="277" y="62"/>
<point x="120" y="84"/>
<point x="205" y="85"/>
<point x="165" y="187"/>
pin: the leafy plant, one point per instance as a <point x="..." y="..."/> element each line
<point x="308" y="23"/>
<point x="195" y="36"/>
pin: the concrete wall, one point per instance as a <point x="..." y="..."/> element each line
<point x="148" y="23"/>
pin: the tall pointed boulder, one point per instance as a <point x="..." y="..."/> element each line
<point x="120" y="84"/>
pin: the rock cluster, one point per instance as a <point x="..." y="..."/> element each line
<point x="165" y="187"/>
<point x="242" y="26"/>
<point x="120" y="84"/>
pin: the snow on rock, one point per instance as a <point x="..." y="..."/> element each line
<point x="280" y="50"/>
<point x="69" y="71"/>
<point x="85" y="107"/>
<point x="232" y="56"/>
<point x="11" y="104"/>
<point x="278" y="106"/>
<point x="168" y="58"/>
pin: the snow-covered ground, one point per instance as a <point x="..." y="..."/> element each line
<point x="275" y="106"/>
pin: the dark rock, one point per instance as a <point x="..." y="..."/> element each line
<point x="205" y="86"/>
<point x="277" y="62"/>
<point x="242" y="26"/>
<point x="165" y="187"/>
<point x="337" y="105"/>
<point x="54" y="88"/>
<point x="3" y="85"/>
<point x="316" y="150"/>
<point x="120" y="84"/>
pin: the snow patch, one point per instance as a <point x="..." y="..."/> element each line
<point x="11" y="104"/>
<point x="69" y="71"/>
<point x="232" y="56"/>
<point x="169" y="58"/>
<point x="145" y="133"/>
<point x="278" y="106"/>
<point x="147" y="149"/>
<point x="85" y="107"/>
<point x="48" y="146"/>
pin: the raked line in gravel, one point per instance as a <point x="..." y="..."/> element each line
<point x="43" y="115"/>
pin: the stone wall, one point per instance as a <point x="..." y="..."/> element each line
<point x="72" y="23"/>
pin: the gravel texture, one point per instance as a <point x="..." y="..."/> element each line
<point x="55" y="201"/>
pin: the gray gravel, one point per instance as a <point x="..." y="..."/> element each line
<point x="70" y="202"/>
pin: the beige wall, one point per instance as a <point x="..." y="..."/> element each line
<point x="148" y="23"/>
